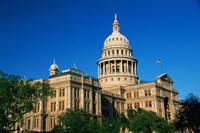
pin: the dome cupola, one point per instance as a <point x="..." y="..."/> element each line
<point x="54" y="69"/>
<point x="117" y="66"/>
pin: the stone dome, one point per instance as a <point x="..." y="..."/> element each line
<point x="116" y="39"/>
<point x="54" y="66"/>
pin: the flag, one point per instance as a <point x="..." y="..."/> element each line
<point x="158" y="61"/>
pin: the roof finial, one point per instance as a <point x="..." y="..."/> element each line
<point x="115" y="16"/>
<point x="54" y="61"/>
<point x="75" y="65"/>
<point x="115" y="24"/>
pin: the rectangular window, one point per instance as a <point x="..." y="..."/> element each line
<point x="54" y="106"/>
<point x="52" y="123"/>
<point x="147" y="104"/>
<point x="54" y="93"/>
<point x="34" y="123"/>
<point x="136" y="94"/>
<point x="64" y="92"/>
<point x="78" y="93"/>
<point x="129" y="95"/>
<point x="37" y="122"/>
<point x="150" y="105"/>
<point x="28" y="124"/>
<point x="88" y="94"/>
<point x="137" y="105"/>
<point x="60" y="92"/>
<point x="149" y="92"/>
<point x="60" y="104"/>
<point x="63" y="105"/>
<point x="85" y="94"/>
<point x="145" y="92"/>
<point x="74" y="92"/>
<point x="51" y="106"/>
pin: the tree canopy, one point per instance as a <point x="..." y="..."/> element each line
<point x="17" y="97"/>
<point x="188" y="115"/>
<point x="80" y="121"/>
<point x="147" y="122"/>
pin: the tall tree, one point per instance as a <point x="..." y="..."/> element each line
<point x="188" y="115"/>
<point x="17" y="97"/>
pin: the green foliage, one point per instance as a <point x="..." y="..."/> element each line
<point x="147" y="122"/>
<point x="75" y="121"/>
<point x="17" y="97"/>
<point x="79" y="121"/>
<point x="188" y="115"/>
<point x="123" y="121"/>
<point x="139" y="120"/>
<point x="109" y="126"/>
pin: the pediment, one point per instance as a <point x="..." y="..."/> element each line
<point x="165" y="77"/>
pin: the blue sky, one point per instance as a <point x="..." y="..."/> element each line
<point x="33" y="32"/>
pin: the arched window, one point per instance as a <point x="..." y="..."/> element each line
<point x="108" y="52"/>
<point x="117" y="51"/>
<point x="122" y="52"/>
<point x="113" y="52"/>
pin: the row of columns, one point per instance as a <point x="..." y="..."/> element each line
<point x="117" y="66"/>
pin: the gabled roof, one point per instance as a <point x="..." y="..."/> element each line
<point x="165" y="77"/>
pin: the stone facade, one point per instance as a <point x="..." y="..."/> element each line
<point x="71" y="89"/>
<point x="117" y="88"/>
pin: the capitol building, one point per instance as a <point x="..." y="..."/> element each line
<point x="116" y="89"/>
